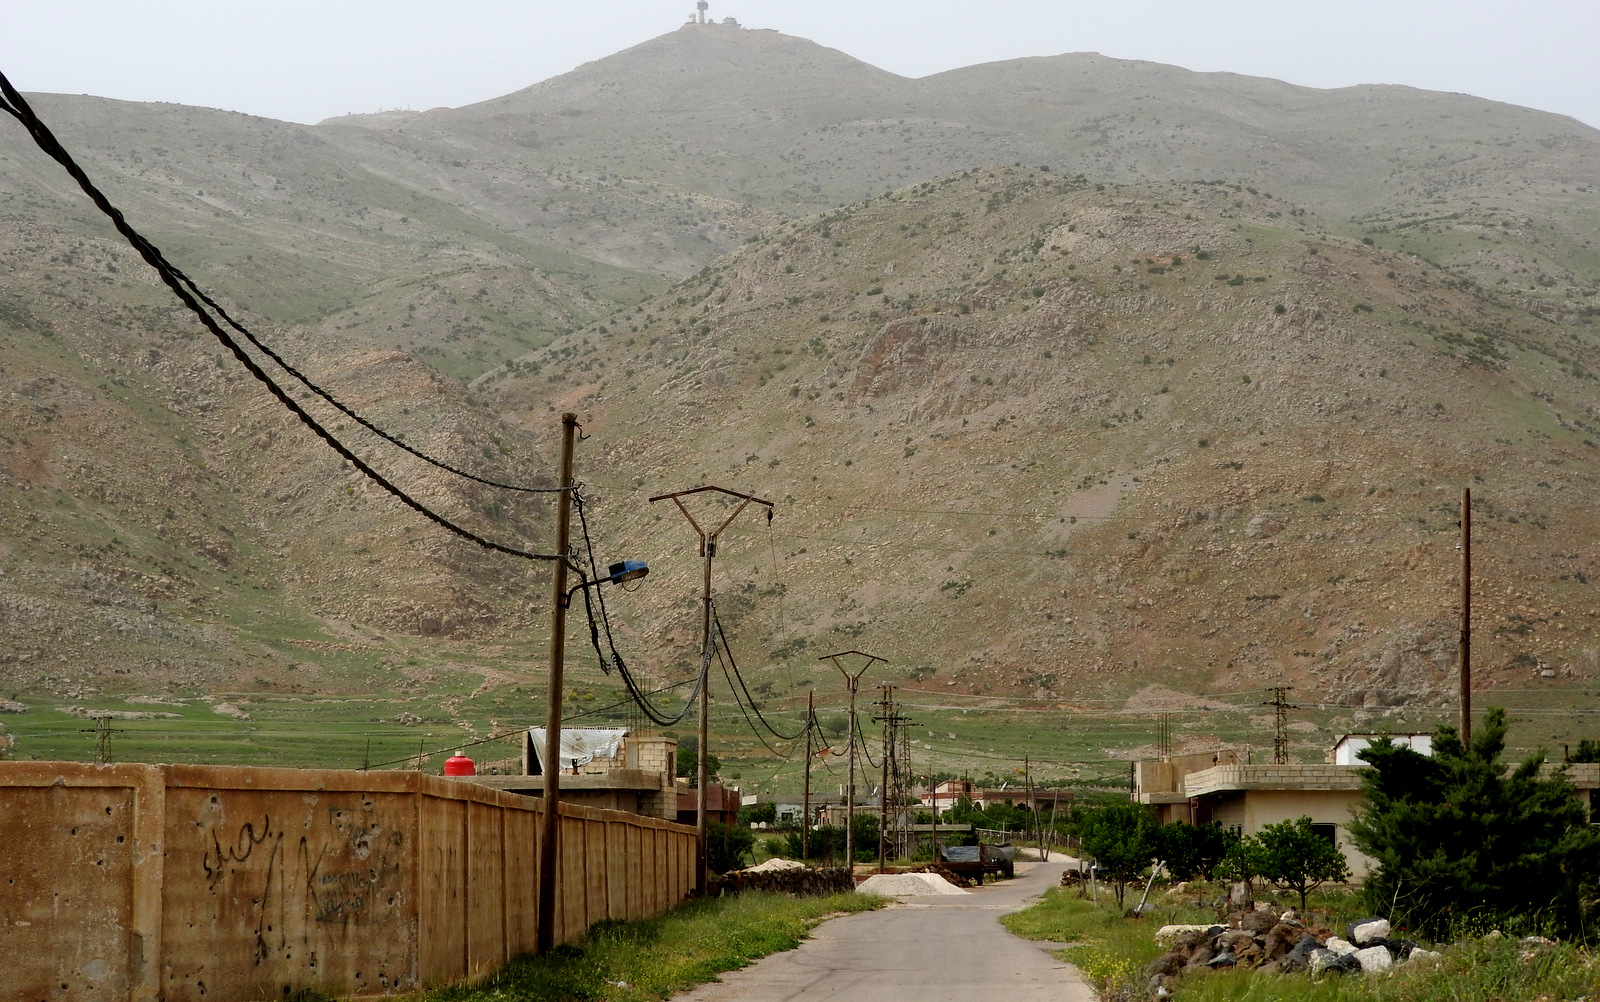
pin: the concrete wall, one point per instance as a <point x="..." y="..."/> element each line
<point x="138" y="882"/>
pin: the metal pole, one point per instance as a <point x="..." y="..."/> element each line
<point x="708" y="549"/>
<point x="1466" y="615"/>
<point x="548" y="857"/>
<point x="883" y="789"/>
<point x="851" y="681"/>
<point x="705" y="724"/>
<point x="850" y="790"/>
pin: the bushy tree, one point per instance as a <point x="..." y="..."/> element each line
<point x="1121" y="839"/>
<point x="753" y="814"/>
<point x="1191" y="851"/>
<point x="727" y="846"/>
<point x="1292" y="855"/>
<point x="1459" y="841"/>
<point x="688" y="761"/>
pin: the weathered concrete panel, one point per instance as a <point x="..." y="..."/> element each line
<point x="66" y="902"/>
<point x="441" y="889"/>
<point x="179" y="883"/>
<point x="271" y="891"/>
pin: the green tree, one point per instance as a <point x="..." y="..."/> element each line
<point x="727" y="846"/>
<point x="1191" y="851"/>
<point x="1292" y="855"/>
<point x="1458" y="840"/>
<point x="1588" y="751"/>
<point x="688" y="764"/>
<point x="758" y="814"/>
<point x="1121" y="839"/>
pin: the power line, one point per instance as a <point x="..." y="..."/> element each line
<point x="180" y="284"/>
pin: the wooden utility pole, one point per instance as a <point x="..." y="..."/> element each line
<point x="851" y="681"/>
<point x="1033" y="805"/>
<point x="708" y="549"/>
<point x="1466" y="615"/>
<point x="805" y="805"/>
<point x="549" y="859"/>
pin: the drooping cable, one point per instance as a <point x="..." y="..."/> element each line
<point x="746" y="689"/>
<point x="306" y="381"/>
<point x="640" y="697"/>
<point x="862" y="738"/>
<point x="18" y="107"/>
<point x="727" y="674"/>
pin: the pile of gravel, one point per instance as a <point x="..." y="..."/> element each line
<point x="904" y="885"/>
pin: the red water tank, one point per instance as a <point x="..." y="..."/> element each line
<point x="459" y="765"/>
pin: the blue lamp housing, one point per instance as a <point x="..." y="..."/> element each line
<point x="627" y="570"/>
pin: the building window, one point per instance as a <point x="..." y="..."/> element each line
<point x="1328" y="832"/>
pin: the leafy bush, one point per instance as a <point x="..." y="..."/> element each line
<point x="727" y="846"/>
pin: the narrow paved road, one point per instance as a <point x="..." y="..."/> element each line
<point x="932" y="948"/>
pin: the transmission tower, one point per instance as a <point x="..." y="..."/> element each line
<point x="1281" y="708"/>
<point x="894" y="817"/>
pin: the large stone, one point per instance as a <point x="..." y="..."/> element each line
<point x="1424" y="958"/>
<point x="1327" y="962"/>
<point x="1168" y="935"/>
<point x="1339" y="946"/>
<point x="1257" y="921"/>
<point x="1166" y="964"/>
<point x="1201" y="956"/>
<point x="1367" y="933"/>
<point x="1280" y="939"/>
<point x="1248" y="954"/>
<point x="1374" y="959"/>
<point x="1263" y="526"/>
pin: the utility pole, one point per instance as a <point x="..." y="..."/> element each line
<point x="851" y="680"/>
<point x="708" y="549"/>
<point x="1466" y="615"/>
<point x="102" y="732"/>
<point x="1033" y="805"/>
<point x="1280" y="740"/>
<point x="548" y="857"/>
<point x="896" y="756"/>
<point x="887" y="705"/>
<point x="805" y="805"/>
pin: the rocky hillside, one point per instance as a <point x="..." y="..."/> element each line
<point x="1187" y="391"/>
<point x="1030" y="433"/>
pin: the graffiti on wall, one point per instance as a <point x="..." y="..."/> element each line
<point x="296" y="878"/>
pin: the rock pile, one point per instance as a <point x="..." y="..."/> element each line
<point x="1282" y="944"/>
<point x="804" y="880"/>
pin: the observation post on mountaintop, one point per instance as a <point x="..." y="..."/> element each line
<point x="708" y="549"/>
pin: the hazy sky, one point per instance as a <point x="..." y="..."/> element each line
<point x="305" y="61"/>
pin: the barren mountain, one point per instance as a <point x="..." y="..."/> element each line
<point x="1134" y="375"/>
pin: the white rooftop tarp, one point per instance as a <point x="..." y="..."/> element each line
<point x="579" y="745"/>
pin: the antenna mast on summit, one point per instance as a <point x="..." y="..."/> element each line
<point x="700" y="7"/>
